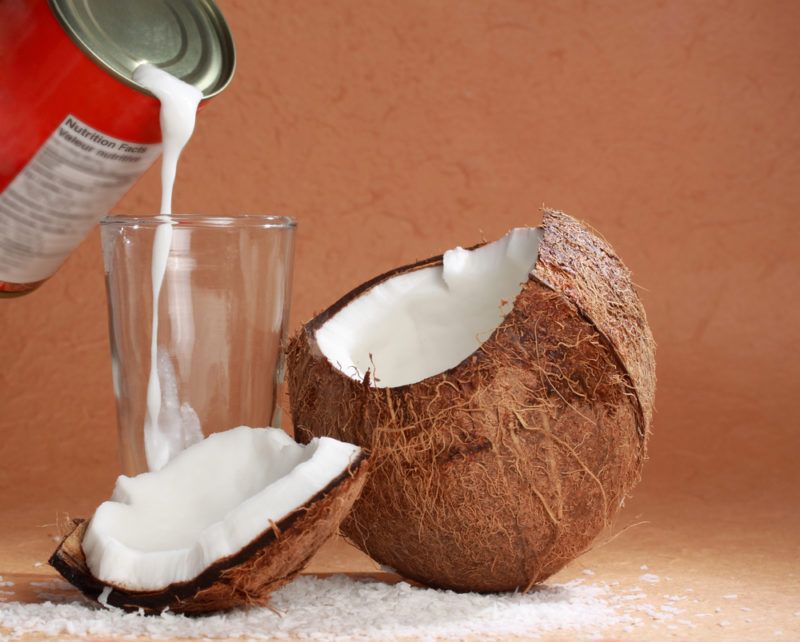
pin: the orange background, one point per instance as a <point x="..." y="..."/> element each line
<point x="394" y="130"/>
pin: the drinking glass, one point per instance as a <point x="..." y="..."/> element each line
<point x="222" y="317"/>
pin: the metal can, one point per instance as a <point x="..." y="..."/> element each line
<point x="76" y="131"/>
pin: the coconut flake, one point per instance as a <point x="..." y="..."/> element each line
<point x="103" y="598"/>
<point x="340" y="608"/>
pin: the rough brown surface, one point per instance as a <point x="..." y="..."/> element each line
<point x="585" y="269"/>
<point x="496" y="473"/>
<point x="246" y="578"/>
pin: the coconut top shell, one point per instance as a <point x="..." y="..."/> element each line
<point x="584" y="268"/>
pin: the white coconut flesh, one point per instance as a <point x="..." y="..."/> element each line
<point x="421" y="323"/>
<point x="206" y="504"/>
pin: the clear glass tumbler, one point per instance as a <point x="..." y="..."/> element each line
<point x="222" y="316"/>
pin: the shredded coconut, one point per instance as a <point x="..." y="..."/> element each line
<point x="649" y="577"/>
<point x="652" y="611"/>
<point x="339" y="608"/>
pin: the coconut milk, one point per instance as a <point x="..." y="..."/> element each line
<point x="179" y="102"/>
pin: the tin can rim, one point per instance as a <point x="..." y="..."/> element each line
<point x="223" y="31"/>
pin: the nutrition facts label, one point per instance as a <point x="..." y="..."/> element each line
<point x="74" y="179"/>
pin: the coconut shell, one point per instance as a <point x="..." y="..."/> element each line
<point x="585" y="270"/>
<point x="243" y="579"/>
<point x="493" y="475"/>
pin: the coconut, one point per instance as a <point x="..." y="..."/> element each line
<point x="223" y="524"/>
<point x="506" y="392"/>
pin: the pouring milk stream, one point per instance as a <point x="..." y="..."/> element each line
<point x="164" y="436"/>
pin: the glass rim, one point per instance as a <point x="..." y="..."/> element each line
<point x="268" y="221"/>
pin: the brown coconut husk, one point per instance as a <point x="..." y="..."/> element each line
<point x="246" y="578"/>
<point x="493" y="475"/>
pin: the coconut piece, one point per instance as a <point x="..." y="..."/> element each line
<point x="494" y="472"/>
<point x="223" y="524"/>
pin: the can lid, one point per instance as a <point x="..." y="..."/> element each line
<point x="188" y="38"/>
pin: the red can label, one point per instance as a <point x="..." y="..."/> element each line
<point x="74" y="179"/>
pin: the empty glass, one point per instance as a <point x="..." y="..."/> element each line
<point x="222" y="315"/>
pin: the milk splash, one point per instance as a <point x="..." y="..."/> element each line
<point x="167" y="433"/>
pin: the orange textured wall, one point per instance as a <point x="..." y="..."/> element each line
<point x="393" y="130"/>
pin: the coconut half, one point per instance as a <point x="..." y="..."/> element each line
<point x="506" y="391"/>
<point x="223" y="524"/>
